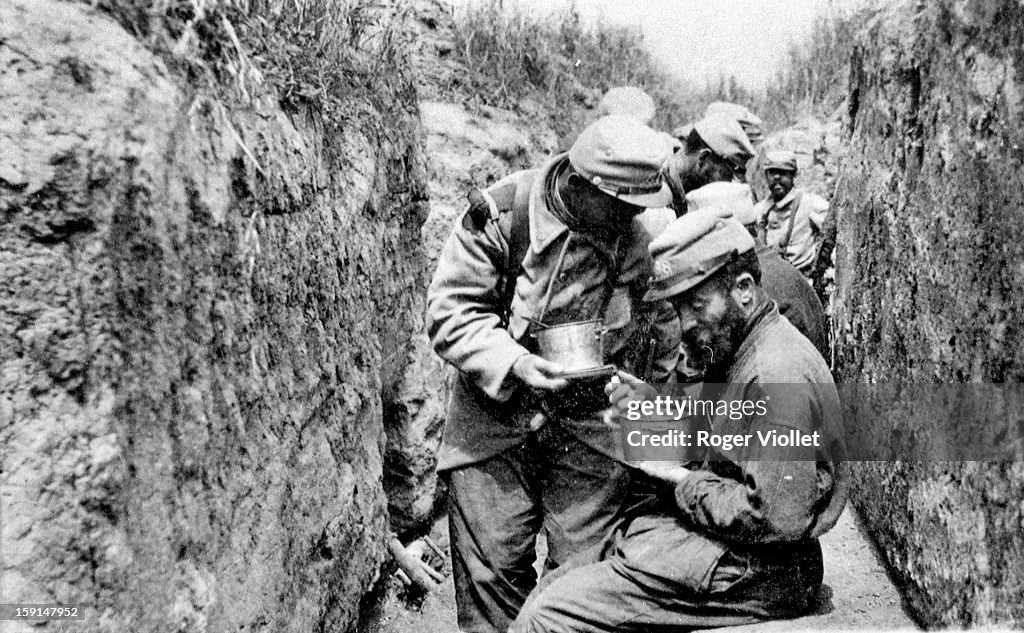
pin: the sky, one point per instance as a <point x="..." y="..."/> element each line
<point x="703" y="39"/>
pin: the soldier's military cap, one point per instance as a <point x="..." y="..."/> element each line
<point x="623" y="158"/>
<point x="780" y="159"/>
<point x="726" y="138"/>
<point x="750" y="122"/>
<point x="736" y="197"/>
<point x="682" y="131"/>
<point x="692" y="248"/>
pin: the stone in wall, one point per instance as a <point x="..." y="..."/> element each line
<point x="930" y="280"/>
<point x="192" y="355"/>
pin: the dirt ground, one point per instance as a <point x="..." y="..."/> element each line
<point x="857" y="593"/>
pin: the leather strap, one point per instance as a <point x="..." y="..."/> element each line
<point x="784" y="244"/>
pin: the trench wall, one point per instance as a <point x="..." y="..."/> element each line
<point x="200" y="316"/>
<point x="930" y="197"/>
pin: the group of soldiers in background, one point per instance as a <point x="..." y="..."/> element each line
<point x="658" y="237"/>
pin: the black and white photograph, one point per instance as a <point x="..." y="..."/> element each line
<point x="511" y="316"/>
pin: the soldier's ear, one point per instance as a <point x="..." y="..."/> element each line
<point x="705" y="156"/>
<point x="577" y="181"/>
<point x="743" y="288"/>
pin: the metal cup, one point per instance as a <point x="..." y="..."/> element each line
<point x="574" y="346"/>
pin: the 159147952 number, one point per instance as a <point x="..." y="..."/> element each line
<point x="46" y="612"/>
<point x="40" y="612"/>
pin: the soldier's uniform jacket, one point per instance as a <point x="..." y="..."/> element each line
<point x="565" y="276"/>
<point x="804" y="239"/>
<point x="737" y="541"/>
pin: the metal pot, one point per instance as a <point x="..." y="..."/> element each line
<point x="574" y="346"/>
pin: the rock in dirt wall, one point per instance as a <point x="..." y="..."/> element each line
<point x="193" y="352"/>
<point x="930" y="281"/>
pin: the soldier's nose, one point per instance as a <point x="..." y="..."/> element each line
<point x="688" y="325"/>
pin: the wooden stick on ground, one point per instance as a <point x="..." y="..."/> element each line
<point x="432" y="545"/>
<point x="412" y="567"/>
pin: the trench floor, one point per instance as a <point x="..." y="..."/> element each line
<point x="857" y="594"/>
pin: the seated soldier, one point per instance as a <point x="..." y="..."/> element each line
<point x="736" y="539"/>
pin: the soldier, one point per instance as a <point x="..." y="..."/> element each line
<point x="734" y="540"/>
<point x="706" y="171"/>
<point x="715" y="149"/>
<point x="555" y="245"/>
<point x="795" y="222"/>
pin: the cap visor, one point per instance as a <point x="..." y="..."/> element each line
<point x="682" y="131"/>
<point x="681" y="286"/>
<point x="654" y="200"/>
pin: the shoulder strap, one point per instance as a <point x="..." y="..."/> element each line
<point x="784" y="244"/>
<point x="518" y="240"/>
<point x="508" y="206"/>
<point x="519" y="232"/>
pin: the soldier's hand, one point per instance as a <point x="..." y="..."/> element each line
<point x="665" y="471"/>
<point x="621" y="390"/>
<point x="539" y="373"/>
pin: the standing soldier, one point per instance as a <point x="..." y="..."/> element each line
<point x="556" y="245"/>
<point x="795" y="222"/>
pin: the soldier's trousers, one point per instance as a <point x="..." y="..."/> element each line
<point x="622" y="587"/>
<point x="496" y="509"/>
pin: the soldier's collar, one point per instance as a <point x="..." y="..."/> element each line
<point x="545" y="226"/>
<point x="758" y="323"/>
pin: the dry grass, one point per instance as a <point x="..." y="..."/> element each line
<point x="339" y="58"/>
<point x="814" y="76"/>
<point x="512" y="54"/>
<point x="346" y="58"/>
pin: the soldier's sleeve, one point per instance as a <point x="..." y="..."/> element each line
<point x="778" y="495"/>
<point x="666" y="335"/>
<point x="761" y="210"/>
<point x="818" y="210"/>
<point x="464" y="306"/>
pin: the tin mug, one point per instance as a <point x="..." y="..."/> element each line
<point x="575" y="346"/>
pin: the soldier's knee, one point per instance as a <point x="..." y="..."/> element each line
<point x="537" y="616"/>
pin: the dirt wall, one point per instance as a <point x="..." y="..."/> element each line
<point x="929" y="277"/>
<point x="192" y="347"/>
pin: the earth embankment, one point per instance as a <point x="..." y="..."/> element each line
<point x="929" y="279"/>
<point x="193" y="344"/>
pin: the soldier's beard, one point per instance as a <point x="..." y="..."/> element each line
<point x="778" y="191"/>
<point x="712" y="350"/>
